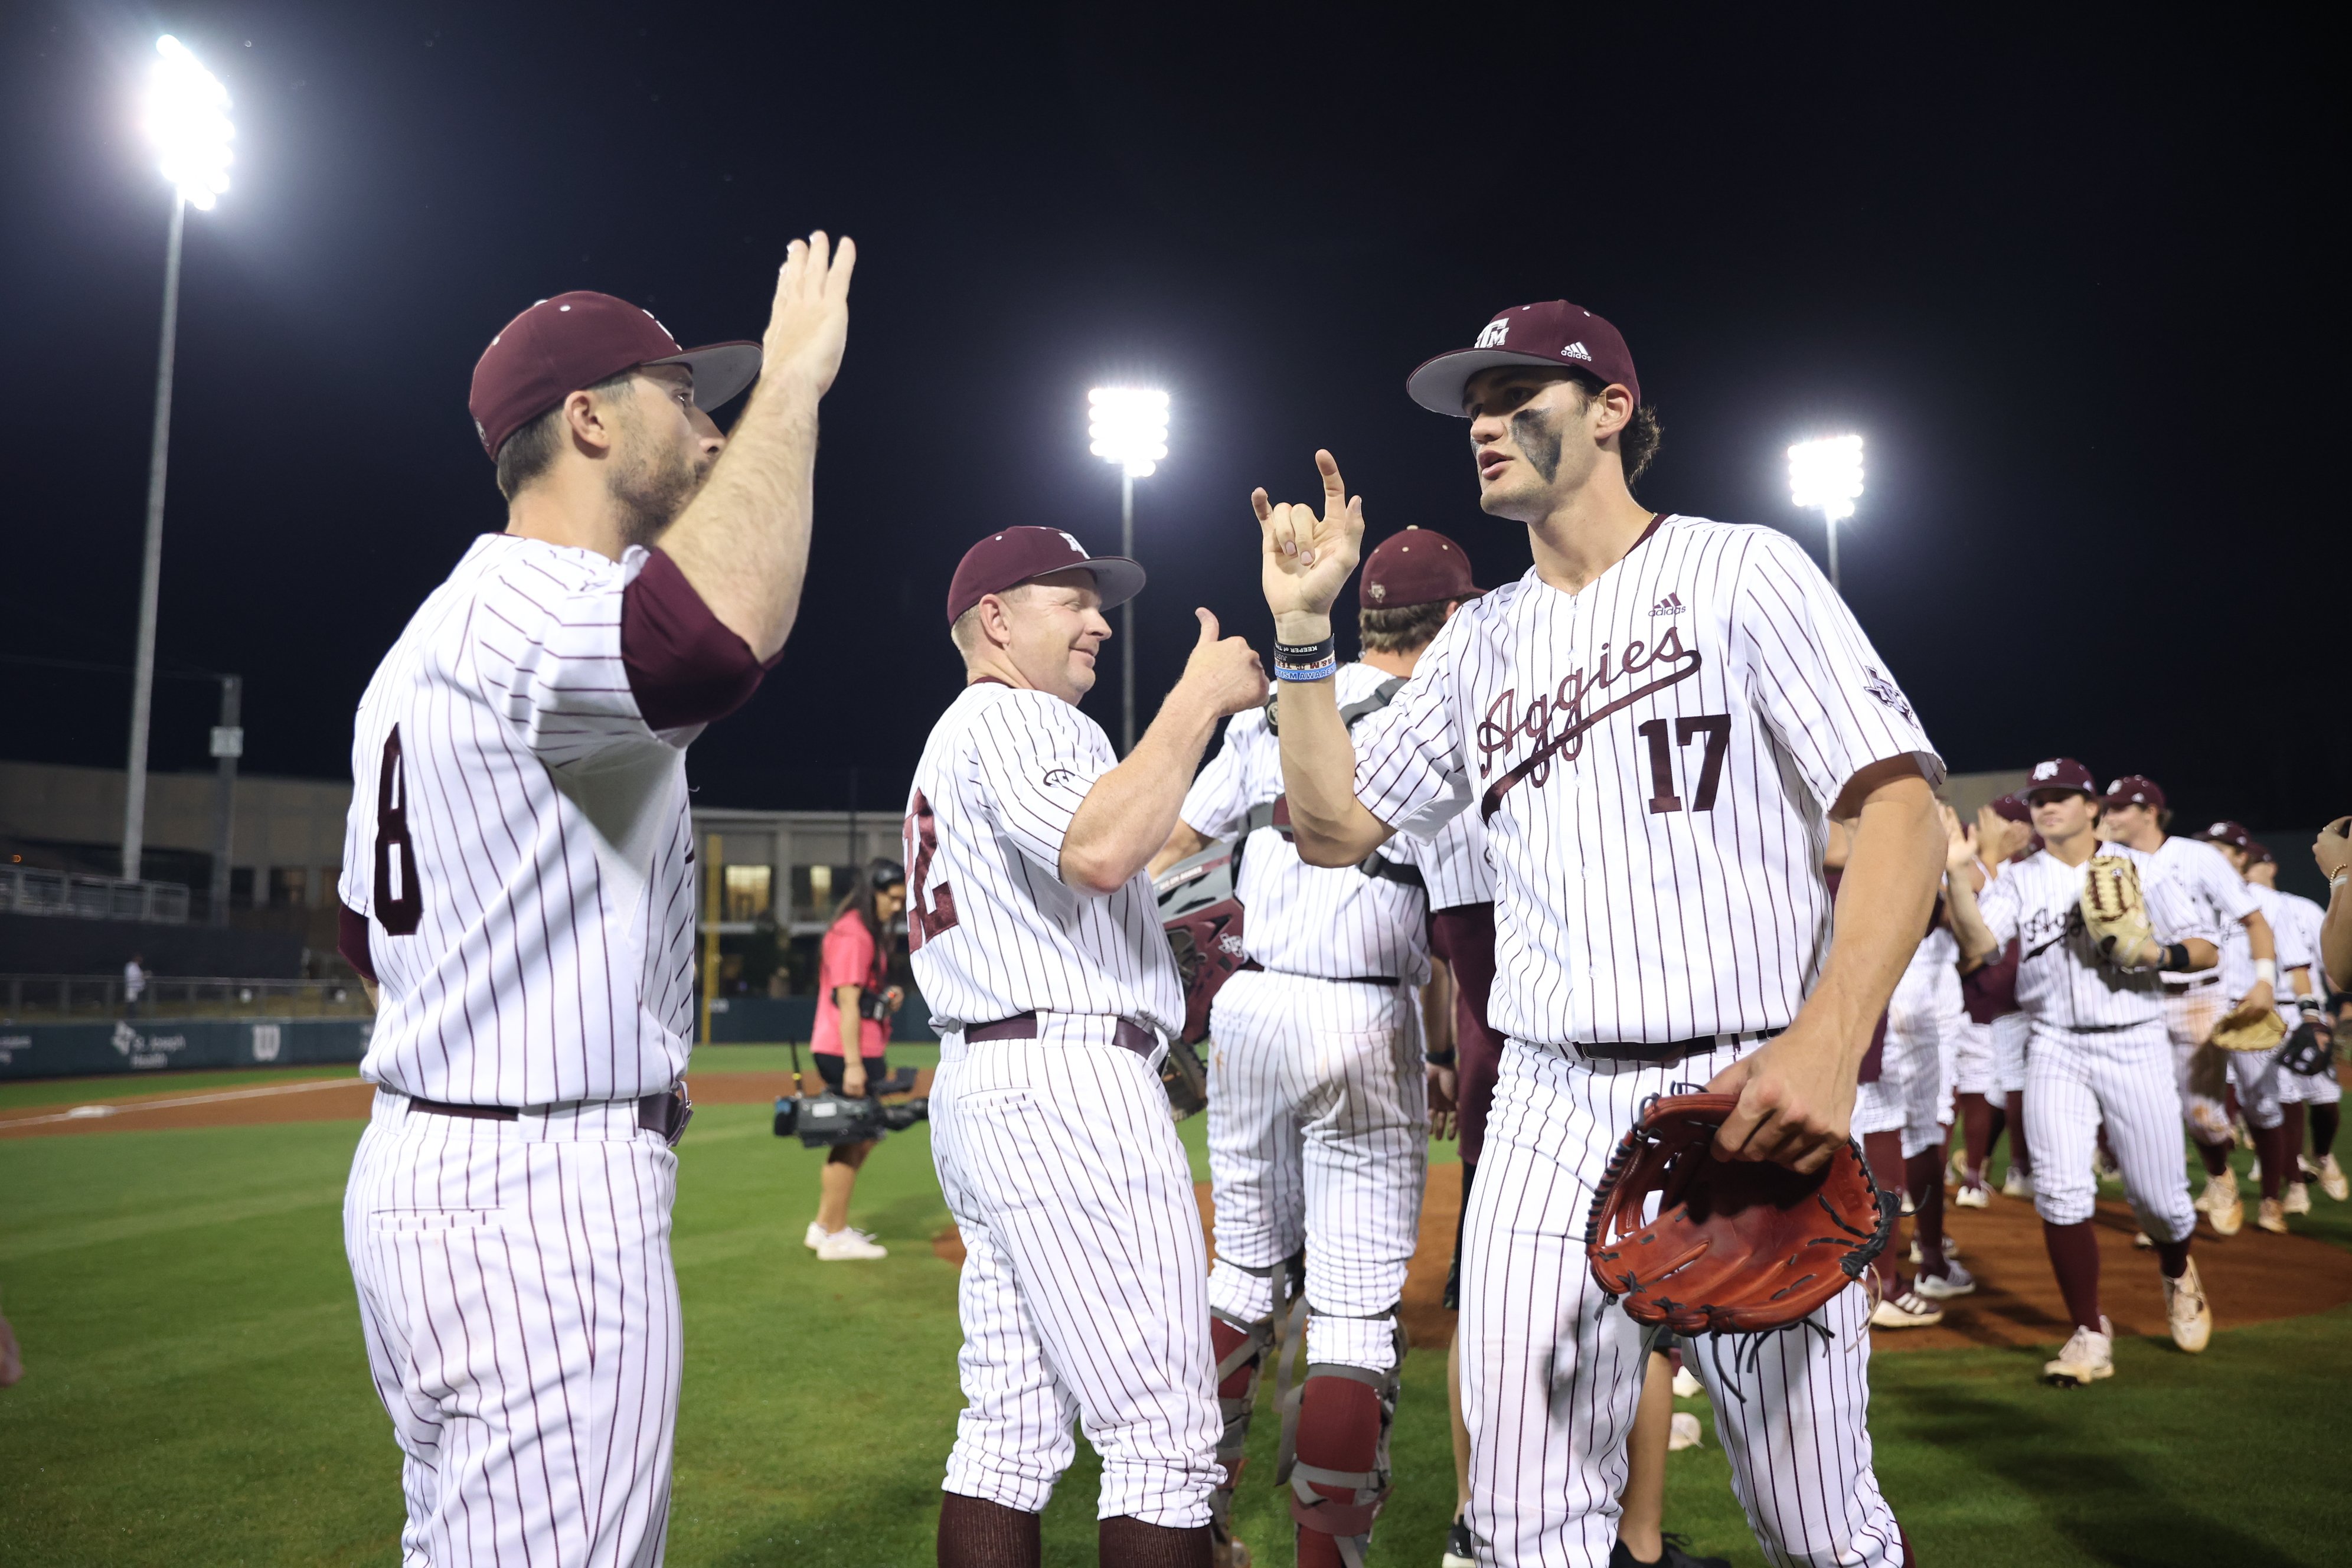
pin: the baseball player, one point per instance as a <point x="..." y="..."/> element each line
<point x="1654" y="724"/>
<point x="1036" y="940"/>
<point x="2315" y="1098"/>
<point x="2098" y="1053"/>
<point x="518" y="889"/>
<point x="2246" y="988"/>
<point x="1319" y="1114"/>
<point x="2134" y="813"/>
<point x="1992" y="1064"/>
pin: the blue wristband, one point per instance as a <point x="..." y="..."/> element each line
<point x="1323" y="671"/>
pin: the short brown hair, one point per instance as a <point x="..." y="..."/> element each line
<point x="1637" y="444"/>
<point x="1402" y="629"/>
<point x="531" y="450"/>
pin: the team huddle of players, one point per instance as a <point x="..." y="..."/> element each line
<point x="1547" y="852"/>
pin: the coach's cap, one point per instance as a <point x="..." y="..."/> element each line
<point x="2136" y="789"/>
<point x="1554" y="333"/>
<point x="2012" y="808"/>
<point x="1012" y="556"/>
<point x="2228" y="833"/>
<point x="576" y="340"/>
<point x="1419" y="566"/>
<point x="2259" y="853"/>
<point x="2060" y="774"/>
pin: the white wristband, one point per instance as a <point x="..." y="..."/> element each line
<point x="2266" y="971"/>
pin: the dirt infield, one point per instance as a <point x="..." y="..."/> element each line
<point x="317" y="1100"/>
<point x="2250" y="1277"/>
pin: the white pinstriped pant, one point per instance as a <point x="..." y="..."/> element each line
<point x="521" y="1314"/>
<point x="1976" y="1060"/>
<point x="1551" y="1376"/>
<point x="2010" y="1032"/>
<point x="1319" y="1135"/>
<point x="1910" y="1094"/>
<point x="2076" y="1078"/>
<point x="1084" y="1294"/>
<point x="2321" y="1089"/>
<point x="2200" y="1074"/>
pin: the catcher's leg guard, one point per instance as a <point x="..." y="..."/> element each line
<point x="1336" y="1457"/>
<point x="1240" y="1348"/>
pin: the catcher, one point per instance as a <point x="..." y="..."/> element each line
<point x="2091" y="950"/>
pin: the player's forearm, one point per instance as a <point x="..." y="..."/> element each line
<point x="1437" y="1009"/>
<point x="1127" y="816"/>
<point x="1978" y="943"/>
<point x="1883" y="897"/>
<point x="1182" y="841"/>
<point x="743" y="540"/>
<point x="2261" y="945"/>
<point x="1330" y="827"/>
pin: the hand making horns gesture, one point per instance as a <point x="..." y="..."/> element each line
<point x="1308" y="559"/>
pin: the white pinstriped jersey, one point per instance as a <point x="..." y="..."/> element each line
<point x="1928" y="993"/>
<point x="1458" y="870"/>
<point x="2297" y="925"/>
<point x="2060" y="980"/>
<point x="519" y="841"/>
<point x="2293" y="946"/>
<point x="2224" y="896"/>
<point x="1334" y="923"/>
<point x="991" y="929"/>
<point x="1655" y="757"/>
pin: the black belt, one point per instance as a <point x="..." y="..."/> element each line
<point x="1670" y="1051"/>
<point x="667" y="1113"/>
<point x="1389" y="980"/>
<point x="1129" y="1036"/>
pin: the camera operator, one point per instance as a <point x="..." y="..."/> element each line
<point x="855" y="1002"/>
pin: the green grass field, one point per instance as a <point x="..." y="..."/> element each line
<point x="196" y="1394"/>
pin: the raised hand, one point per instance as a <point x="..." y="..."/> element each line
<point x="1960" y="843"/>
<point x="1226" y="671"/>
<point x="1307" y="559"/>
<point x="808" y="326"/>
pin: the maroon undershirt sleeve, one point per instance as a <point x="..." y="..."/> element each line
<point x="685" y="667"/>
<point x="352" y="940"/>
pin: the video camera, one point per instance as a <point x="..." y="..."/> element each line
<point x="827" y="1120"/>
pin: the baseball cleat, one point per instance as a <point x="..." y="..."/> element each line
<point x="1908" y="1207"/>
<point x="815" y="1236"/>
<point x="2331" y="1178"/>
<point x="2086" y="1358"/>
<point x="2186" y="1308"/>
<point x="1908" y="1311"/>
<point x="2018" y="1185"/>
<point x="1972" y="1197"/>
<point x="1684" y="1432"/>
<point x="2218" y="1189"/>
<point x="849" y="1245"/>
<point x="2298" y="1198"/>
<point x="2143" y="1241"/>
<point x="1459" y="1548"/>
<point x="1954" y="1281"/>
<point x="2230" y="1218"/>
<point x="1673" y="1556"/>
<point x="1685" y="1385"/>
<point x="2254" y="1171"/>
<point x="2272" y="1216"/>
<point x="1225" y="1551"/>
<point x="1951" y="1251"/>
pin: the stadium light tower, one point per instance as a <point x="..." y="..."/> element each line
<point x="187" y="123"/>
<point x="1826" y="476"/>
<point x="1128" y="426"/>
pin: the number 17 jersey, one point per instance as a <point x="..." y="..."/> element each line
<point x="1654" y="758"/>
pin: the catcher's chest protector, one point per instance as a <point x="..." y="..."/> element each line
<point x="1737" y="1245"/>
<point x="1203" y="922"/>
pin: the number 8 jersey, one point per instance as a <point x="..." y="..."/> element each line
<point x="1654" y="758"/>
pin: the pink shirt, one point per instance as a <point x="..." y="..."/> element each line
<point x="848" y="958"/>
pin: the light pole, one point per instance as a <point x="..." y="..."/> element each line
<point x="187" y="122"/>
<point x="1128" y="426"/>
<point x="1826" y="476"/>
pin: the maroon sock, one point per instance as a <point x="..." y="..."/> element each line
<point x="2172" y="1257"/>
<point x="1925" y="1170"/>
<point x="1976" y="1135"/>
<point x="977" y="1533"/>
<point x="2216" y="1157"/>
<point x="2323" y="1122"/>
<point x="1121" y="1542"/>
<point x="2075" y="1258"/>
<point x="2021" y="1153"/>
<point x="2270" y="1147"/>
<point x="2296" y="1126"/>
<point x="1884" y="1152"/>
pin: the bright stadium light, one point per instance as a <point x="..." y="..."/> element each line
<point x="1826" y="476"/>
<point x="187" y="122"/>
<point x="1128" y="426"/>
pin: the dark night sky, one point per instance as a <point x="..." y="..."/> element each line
<point x="2065" y="278"/>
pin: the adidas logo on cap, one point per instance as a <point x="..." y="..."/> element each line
<point x="1577" y="351"/>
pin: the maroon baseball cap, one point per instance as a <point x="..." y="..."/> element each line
<point x="1012" y="556"/>
<point x="2228" y="833"/>
<point x="1419" y="566"/>
<point x="1554" y="333"/>
<point x="576" y="340"/>
<point x="2259" y="854"/>
<point x="2061" y="773"/>
<point x="2136" y="789"/>
<point x="2012" y="808"/>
